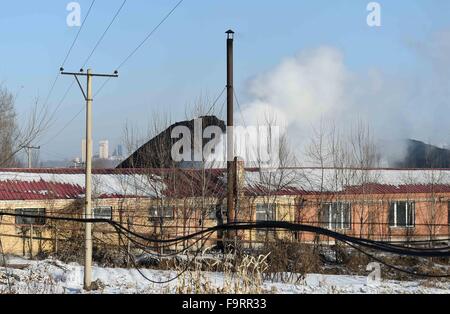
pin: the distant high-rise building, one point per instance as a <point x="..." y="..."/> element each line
<point x="104" y="150"/>
<point x="119" y="150"/>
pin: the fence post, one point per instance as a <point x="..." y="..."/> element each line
<point x="56" y="241"/>
<point x="31" y="241"/>
<point x="128" y="243"/>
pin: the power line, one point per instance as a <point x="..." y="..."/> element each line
<point x="86" y="61"/>
<point x="121" y="64"/>
<point x="69" y="52"/>
<point x="78" y="34"/>
<point x="60" y="103"/>
<point x="104" y="33"/>
<point x="239" y="107"/>
<point x="149" y="35"/>
<point x="215" y="101"/>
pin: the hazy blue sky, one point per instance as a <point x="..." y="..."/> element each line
<point x="187" y="55"/>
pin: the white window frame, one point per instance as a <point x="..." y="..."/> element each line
<point x="407" y="208"/>
<point x="331" y="224"/>
<point x="266" y="211"/>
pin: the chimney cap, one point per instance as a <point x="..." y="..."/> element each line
<point x="230" y="33"/>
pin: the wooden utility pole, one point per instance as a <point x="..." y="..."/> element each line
<point x="230" y="128"/>
<point x="29" y="149"/>
<point x="88" y="179"/>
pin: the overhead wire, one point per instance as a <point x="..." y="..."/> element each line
<point x="153" y="31"/>
<point x="68" y="55"/>
<point x="104" y="33"/>
<point x="99" y="41"/>
<point x="78" y="34"/>
<point x="139" y="46"/>
<point x="216" y="100"/>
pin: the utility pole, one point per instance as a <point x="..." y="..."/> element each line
<point x="230" y="128"/>
<point x="88" y="179"/>
<point x="29" y="149"/>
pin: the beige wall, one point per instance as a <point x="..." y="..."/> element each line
<point x="430" y="209"/>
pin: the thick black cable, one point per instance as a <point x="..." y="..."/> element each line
<point x="271" y="225"/>
<point x="188" y="263"/>
<point x="396" y="268"/>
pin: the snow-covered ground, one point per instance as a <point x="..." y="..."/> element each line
<point x="50" y="276"/>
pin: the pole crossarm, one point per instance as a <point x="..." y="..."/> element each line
<point x="28" y="149"/>
<point x="77" y="74"/>
<point x="92" y="74"/>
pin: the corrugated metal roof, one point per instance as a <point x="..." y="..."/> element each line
<point x="41" y="190"/>
<point x="42" y="184"/>
<point x="302" y="181"/>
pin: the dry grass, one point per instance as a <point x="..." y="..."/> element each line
<point x="240" y="276"/>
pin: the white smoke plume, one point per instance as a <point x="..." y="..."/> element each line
<point x="317" y="85"/>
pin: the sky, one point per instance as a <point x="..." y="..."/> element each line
<point x="398" y="67"/>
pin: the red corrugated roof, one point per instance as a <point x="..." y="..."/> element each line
<point x="179" y="183"/>
<point x="400" y="189"/>
<point x="24" y="190"/>
<point x="108" y="171"/>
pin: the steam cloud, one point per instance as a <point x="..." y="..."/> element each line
<point x="317" y="84"/>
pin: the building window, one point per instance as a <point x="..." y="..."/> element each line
<point x="103" y="213"/>
<point x="38" y="220"/>
<point x="402" y="214"/>
<point x="265" y="212"/>
<point x="336" y="216"/>
<point x="163" y="212"/>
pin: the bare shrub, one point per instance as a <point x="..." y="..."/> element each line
<point x="290" y="261"/>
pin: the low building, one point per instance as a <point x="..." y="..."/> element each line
<point x="381" y="204"/>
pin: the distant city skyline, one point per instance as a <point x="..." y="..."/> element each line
<point x="100" y="151"/>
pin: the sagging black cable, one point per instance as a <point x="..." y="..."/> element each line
<point x="145" y="248"/>
<point x="207" y="236"/>
<point x="271" y="225"/>
<point x="396" y="268"/>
